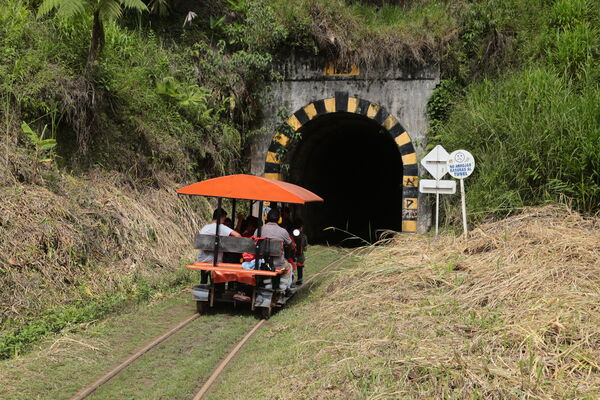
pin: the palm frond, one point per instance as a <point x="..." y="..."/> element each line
<point x="109" y="10"/>
<point x="47" y="6"/>
<point x="160" y="7"/>
<point x="70" y="8"/>
<point x="134" y="4"/>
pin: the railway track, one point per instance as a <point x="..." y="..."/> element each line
<point x="221" y="367"/>
<point x="91" y="388"/>
<point x="85" y="392"/>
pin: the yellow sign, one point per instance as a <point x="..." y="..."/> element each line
<point x="331" y="69"/>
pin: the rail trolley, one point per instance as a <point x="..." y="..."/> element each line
<point x="230" y="282"/>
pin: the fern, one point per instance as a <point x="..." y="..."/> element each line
<point x="71" y="8"/>
<point x="137" y="5"/>
<point x="47" y="6"/>
<point x="160" y="7"/>
<point x="109" y="10"/>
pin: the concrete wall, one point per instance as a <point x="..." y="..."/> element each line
<point x="402" y="91"/>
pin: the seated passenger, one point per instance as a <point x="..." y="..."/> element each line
<point x="251" y="225"/>
<point x="286" y="219"/>
<point x="241" y="223"/>
<point x="273" y="231"/>
<point x="211" y="229"/>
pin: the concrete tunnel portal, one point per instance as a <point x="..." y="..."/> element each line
<point x="356" y="156"/>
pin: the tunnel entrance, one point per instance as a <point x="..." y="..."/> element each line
<point x="355" y="165"/>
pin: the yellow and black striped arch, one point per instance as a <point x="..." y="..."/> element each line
<point x="342" y="102"/>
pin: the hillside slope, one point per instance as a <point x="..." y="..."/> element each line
<point x="77" y="248"/>
<point x="89" y="165"/>
<point x="512" y="313"/>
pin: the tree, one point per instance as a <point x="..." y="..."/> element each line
<point x="103" y="11"/>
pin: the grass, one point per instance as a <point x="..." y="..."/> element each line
<point x="522" y="97"/>
<point x="174" y="369"/>
<point x="178" y="366"/>
<point x="510" y="314"/>
<point x="415" y="32"/>
<point x="277" y="344"/>
<point x="102" y="227"/>
<point x="15" y="341"/>
<point x="532" y="145"/>
<point x="399" y="18"/>
<point x="62" y="364"/>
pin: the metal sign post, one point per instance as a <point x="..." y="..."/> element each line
<point x="460" y="165"/>
<point x="463" y="205"/>
<point x="436" y="163"/>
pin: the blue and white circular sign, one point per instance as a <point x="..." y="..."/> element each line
<point x="461" y="164"/>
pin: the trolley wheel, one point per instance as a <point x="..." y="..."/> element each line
<point x="201" y="307"/>
<point x="265" y="312"/>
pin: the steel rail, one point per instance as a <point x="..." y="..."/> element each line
<point x="85" y="392"/>
<point x="223" y="364"/>
<point x="217" y="372"/>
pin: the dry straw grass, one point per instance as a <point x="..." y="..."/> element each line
<point x="514" y="312"/>
<point x="73" y="238"/>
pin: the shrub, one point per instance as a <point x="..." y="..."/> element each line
<point x="535" y="139"/>
<point x="566" y="14"/>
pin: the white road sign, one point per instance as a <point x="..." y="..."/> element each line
<point x="437" y="186"/>
<point x="436" y="162"/>
<point x="461" y="164"/>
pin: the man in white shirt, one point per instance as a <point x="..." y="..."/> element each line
<point x="211" y="229"/>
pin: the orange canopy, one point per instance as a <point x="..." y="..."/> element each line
<point x="250" y="187"/>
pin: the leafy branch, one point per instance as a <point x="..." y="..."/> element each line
<point x="44" y="148"/>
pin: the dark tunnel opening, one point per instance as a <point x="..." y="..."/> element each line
<point x="354" y="164"/>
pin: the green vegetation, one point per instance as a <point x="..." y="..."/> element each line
<point x="90" y="160"/>
<point x="536" y="138"/>
<point x="61" y="366"/>
<point x="88" y="309"/>
<point x="81" y="247"/>
<point x="355" y="31"/>
<point x="194" y="353"/>
<point x="520" y="85"/>
<point x="522" y="94"/>
<point x="176" y="368"/>
<point x="102" y="13"/>
<point x="122" y="112"/>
